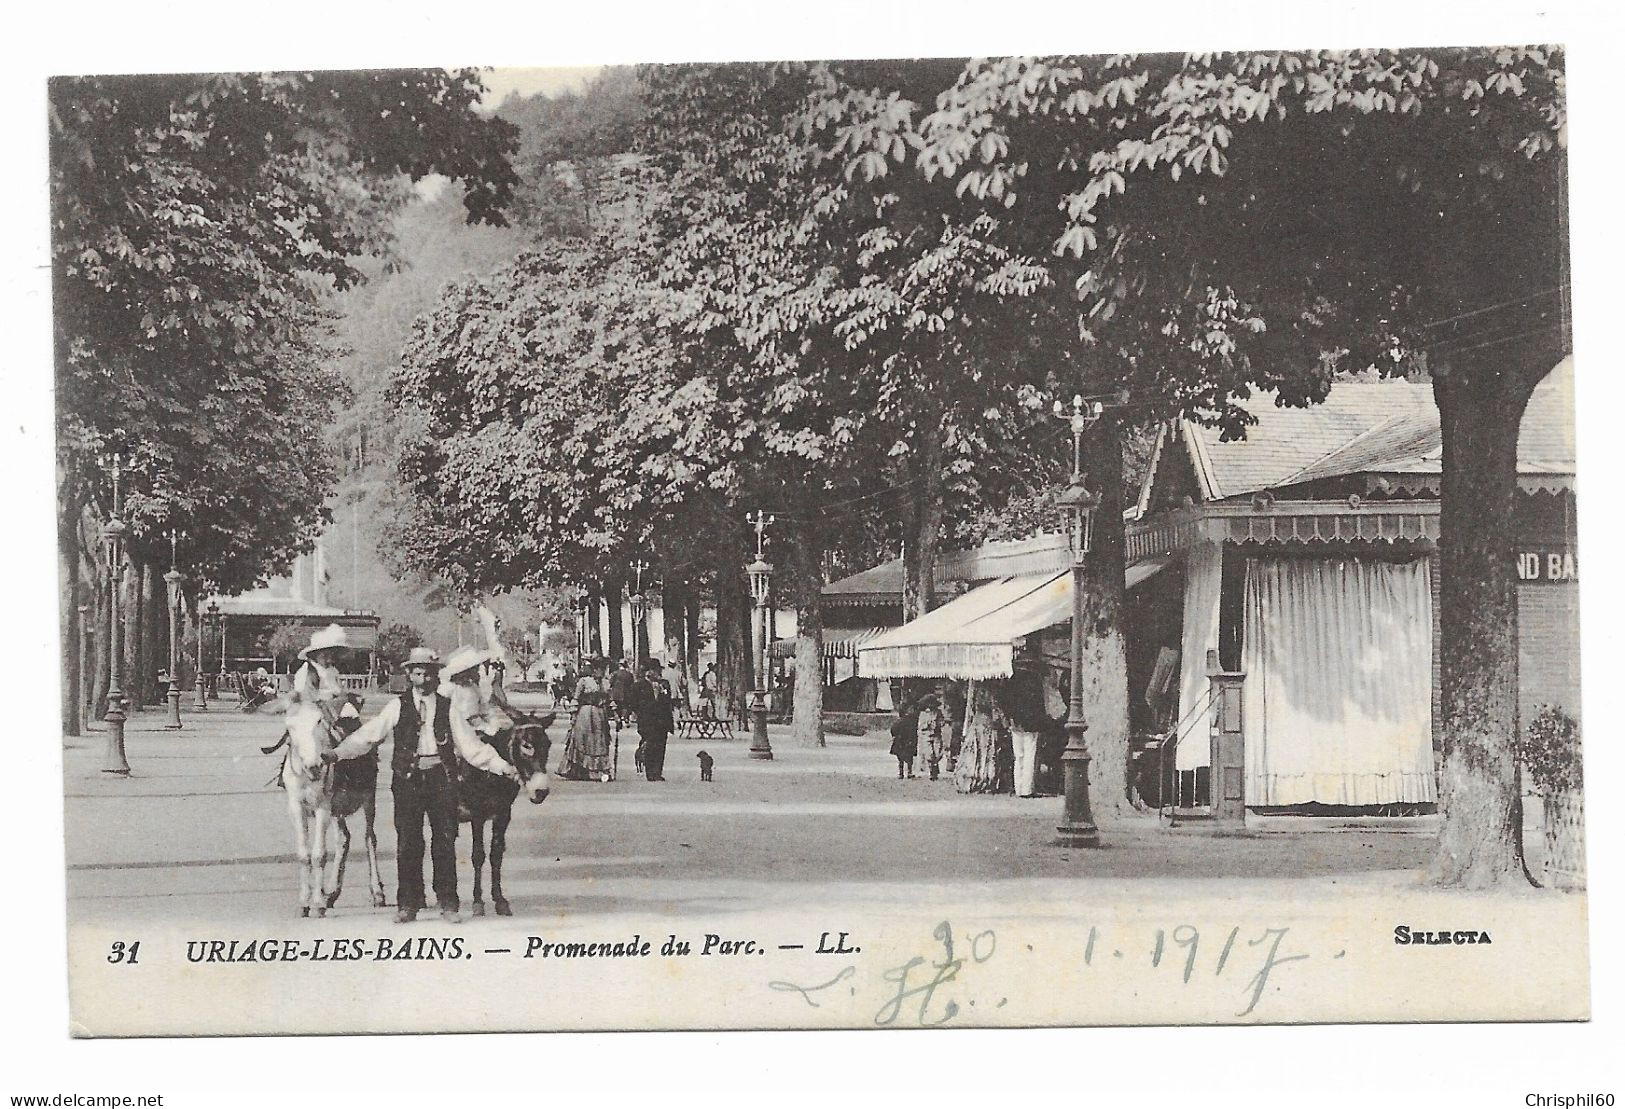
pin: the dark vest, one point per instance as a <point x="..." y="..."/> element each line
<point x="404" y="757"/>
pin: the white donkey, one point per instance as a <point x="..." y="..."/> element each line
<point x="322" y="796"/>
<point x="307" y="776"/>
<point x="317" y="708"/>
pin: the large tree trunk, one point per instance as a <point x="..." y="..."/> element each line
<point x="924" y="520"/>
<point x="986" y="759"/>
<point x="808" y="570"/>
<point x="188" y="634"/>
<point x="1105" y="657"/>
<point x="96" y="685"/>
<point x="130" y="627"/>
<point x="673" y="601"/>
<point x="97" y="617"/>
<point x="735" y="667"/>
<point x="1480" y="843"/>
<point x="595" y="635"/>
<point x="68" y="601"/>
<point x="154" y="641"/>
<point x="691" y="638"/>
<point x="807" y="711"/>
<point x="612" y="603"/>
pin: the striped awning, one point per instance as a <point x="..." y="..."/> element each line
<point x="974" y="636"/>
<point x="838" y="642"/>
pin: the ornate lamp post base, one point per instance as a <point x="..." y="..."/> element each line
<point x="760" y="747"/>
<point x="1077" y="827"/>
<point x="1085" y="835"/>
<point x="114" y="761"/>
<point x="174" y="699"/>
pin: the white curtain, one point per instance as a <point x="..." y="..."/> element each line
<point x="1336" y="704"/>
<point x="1203" y="564"/>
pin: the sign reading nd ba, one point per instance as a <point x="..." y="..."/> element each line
<point x="1547" y="566"/>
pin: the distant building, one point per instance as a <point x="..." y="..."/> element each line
<point x="299" y="598"/>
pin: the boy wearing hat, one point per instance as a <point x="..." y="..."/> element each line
<point x="317" y="683"/>
<point x="430" y="734"/>
<point x="472" y="710"/>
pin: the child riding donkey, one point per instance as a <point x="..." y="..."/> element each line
<point x="320" y="714"/>
<point x="447" y="732"/>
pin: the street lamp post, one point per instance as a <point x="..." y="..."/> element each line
<point x="581" y="628"/>
<point x="640" y="608"/>
<point x="218" y="621"/>
<point x="221" y="684"/>
<point x="200" y="700"/>
<point x="760" y="573"/>
<point x="87" y="691"/>
<point x="114" y="762"/>
<point x="637" y="602"/>
<point x="541" y="641"/>
<point x="1077" y="827"/>
<point x="173" y="580"/>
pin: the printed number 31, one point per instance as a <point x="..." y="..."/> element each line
<point x="119" y="953"/>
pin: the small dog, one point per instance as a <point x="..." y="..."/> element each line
<point x="637" y="757"/>
<point x="706" y="762"/>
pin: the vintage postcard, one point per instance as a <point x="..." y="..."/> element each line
<point x="1021" y="541"/>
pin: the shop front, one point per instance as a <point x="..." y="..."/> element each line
<point x="1309" y="565"/>
<point x="1304" y="559"/>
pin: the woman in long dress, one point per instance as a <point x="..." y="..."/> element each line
<point x="586" y="752"/>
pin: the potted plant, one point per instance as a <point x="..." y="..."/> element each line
<point x="1551" y="756"/>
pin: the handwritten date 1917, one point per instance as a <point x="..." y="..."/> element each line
<point x="938" y="986"/>
<point x="1186" y="937"/>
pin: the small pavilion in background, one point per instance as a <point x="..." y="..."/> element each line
<point x="300" y="598"/>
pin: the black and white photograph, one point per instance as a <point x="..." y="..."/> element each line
<point x="819" y="541"/>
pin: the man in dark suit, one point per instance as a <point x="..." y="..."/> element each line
<point x="424" y="764"/>
<point x="651" y="700"/>
<point x="621" y="683"/>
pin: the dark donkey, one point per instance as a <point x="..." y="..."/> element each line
<point x="355" y="790"/>
<point x="488" y="798"/>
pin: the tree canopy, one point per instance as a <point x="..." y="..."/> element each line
<point x="198" y="222"/>
<point x="839" y="277"/>
<point x="1236" y="220"/>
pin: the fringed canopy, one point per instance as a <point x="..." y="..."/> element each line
<point x="974" y="636"/>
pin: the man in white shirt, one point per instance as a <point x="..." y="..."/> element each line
<point x="429" y="739"/>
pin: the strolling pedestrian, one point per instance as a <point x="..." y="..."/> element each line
<point x="1023" y="704"/>
<point x="586" y="749"/>
<point x="953" y="711"/>
<point x="673" y="677"/>
<point x="929" y="731"/>
<point x="621" y="683"/>
<point x="652" y="703"/>
<point x="905" y="740"/>
<point x="564" y="686"/>
<point x="710" y="686"/>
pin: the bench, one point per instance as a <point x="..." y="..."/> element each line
<point x="697" y="726"/>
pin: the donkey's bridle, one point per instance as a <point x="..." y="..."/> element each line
<point x="514" y="740"/>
